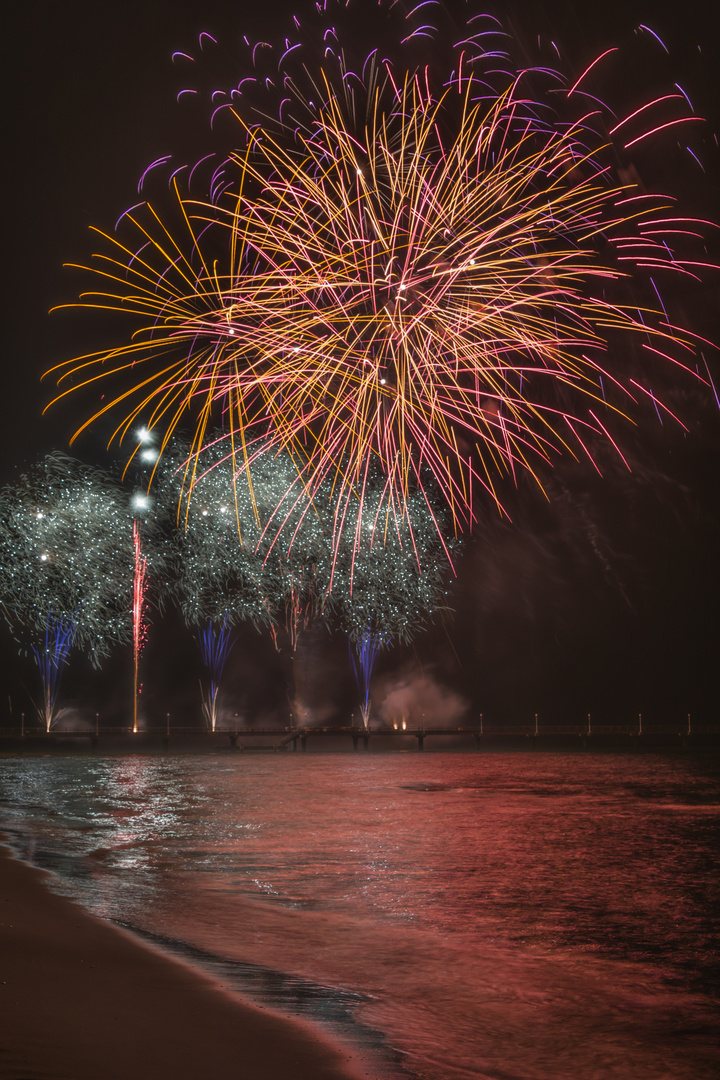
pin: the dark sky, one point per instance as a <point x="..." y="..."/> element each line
<point x="607" y="599"/>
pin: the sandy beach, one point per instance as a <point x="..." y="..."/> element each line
<point x="81" y="999"/>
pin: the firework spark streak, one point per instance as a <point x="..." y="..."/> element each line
<point x="216" y="643"/>
<point x="138" y="612"/>
<point x="439" y="270"/>
<point x="368" y="649"/>
<point x="51" y="658"/>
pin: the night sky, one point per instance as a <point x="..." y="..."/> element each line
<point x="603" y="600"/>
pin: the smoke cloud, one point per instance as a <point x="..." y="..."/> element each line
<point x="419" y="699"/>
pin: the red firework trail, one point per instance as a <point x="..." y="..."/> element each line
<point x="139" y="587"/>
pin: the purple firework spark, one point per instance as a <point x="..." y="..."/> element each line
<point x="59" y="638"/>
<point x="216" y="642"/>
<point x="367" y="647"/>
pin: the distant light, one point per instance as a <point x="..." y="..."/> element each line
<point x="149" y="455"/>
<point x="472" y="262"/>
<point x="382" y="381"/>
<point x="231" y="331"/>
<point x="140" y="501"/>
<point x="223" y="509"/>
<point x="204" y="513"/>
<point x="144" y="435"/>
<point x="40" y="515"/>
<point x="402" y="288"/>
<point x="43" y="557"/>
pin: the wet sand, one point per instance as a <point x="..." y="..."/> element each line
<point x="81" y="999"/>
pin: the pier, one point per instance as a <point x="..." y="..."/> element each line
<point x="478" y="737"/>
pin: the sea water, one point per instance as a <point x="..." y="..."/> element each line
<point x="489" y="915"/>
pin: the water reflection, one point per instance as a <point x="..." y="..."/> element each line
<point x="487" y="912"/>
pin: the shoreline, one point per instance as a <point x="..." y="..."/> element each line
<point x="81" y="998"/>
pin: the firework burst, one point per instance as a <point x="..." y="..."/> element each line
<point x="441" y="269"/>
<point x="249" y="542"/>
<point x="66" y="546"/>
<point x="252" y="544"/>
<point x="66" y="566"/>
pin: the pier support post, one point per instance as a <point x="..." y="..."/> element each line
<point x="366" y="741"/>
<point x="421" y="740"/>
<point x="233" y="739"/>
<point x="303" y="741"/>
<point x="355" y="742"/>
